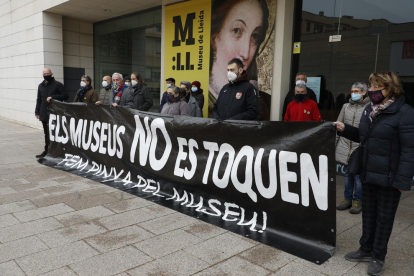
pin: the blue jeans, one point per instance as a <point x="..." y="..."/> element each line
<point x="353" y="187"/>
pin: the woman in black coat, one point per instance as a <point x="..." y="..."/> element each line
<point x="141" y="92"/>
<point x="387" y="164"/>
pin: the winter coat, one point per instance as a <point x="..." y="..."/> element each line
<point x="91" y="96"/>
<point x="388" y="154"/>
<point x="104" y="95"/>
<point x="142" y="97"/>
<point x="291" y="94"/>
<point x="351" y="115"/>
<point x="180" y="107"/>
<point x="306" y="110"/>
<point x="164" y="100"/>
<point x="199" y="97"/>
<point x="53" y="89"/>
<point x="127" y="98"/>
<point x="237" y="101"/>
<point x="195" y="110"/>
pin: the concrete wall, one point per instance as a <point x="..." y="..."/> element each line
<point x="78" y="45"/>
<point x="29" y="41"/>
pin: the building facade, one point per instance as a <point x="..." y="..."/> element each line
<point x="341" y="42"/>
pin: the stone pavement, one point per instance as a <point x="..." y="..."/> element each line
<point x="56" y="223"/>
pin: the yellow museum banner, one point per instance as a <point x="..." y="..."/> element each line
<point x="187" y="28"/>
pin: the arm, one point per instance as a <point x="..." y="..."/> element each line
<point x="201" y="101"/>
<point x="287" y="114"/>
<point x="404" y="176"/>
<point x="350" y="132"/>
<point x="214" y="111"/>
<point x="286" y="104"/>
<point x="251" y="104"/>
<point x="184" y="109"/>
<point x="76" y="97"/>
<point x="61" y="96"/>
<point x="147" y="99"/>
<point x="94" y="97"/>
<point x="341" y="118"/>
<point x="38" y="103"/>
<point x="316" y="113"/>
<point x="198" y="110"/>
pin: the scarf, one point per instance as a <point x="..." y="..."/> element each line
<point x="82" y="92"/>
<point x="378" y="108"/>
<point x="118" y="90"/>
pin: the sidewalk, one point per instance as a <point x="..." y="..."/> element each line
<point x="56" y="223"/>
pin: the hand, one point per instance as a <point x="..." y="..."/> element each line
<point x="49" y="99"/>
<point x="114" y="104"/>
<point x="98" y="103"/>
<point x="37" y="117"/>
<point x="339" y="126"/>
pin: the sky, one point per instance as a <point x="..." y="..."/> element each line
<point x="395" y="11"/>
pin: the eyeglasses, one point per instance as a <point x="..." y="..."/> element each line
<point x="355" y="91"/>
<point x="376" y="86"/>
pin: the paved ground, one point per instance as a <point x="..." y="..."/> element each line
<point x="56" y="223"/>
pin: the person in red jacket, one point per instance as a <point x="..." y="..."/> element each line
<point x="302" y="108"/>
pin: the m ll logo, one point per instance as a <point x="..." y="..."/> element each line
<point x="239" y="95"/>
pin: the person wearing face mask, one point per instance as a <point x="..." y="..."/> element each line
<point x="86" y="93"/>
<point x="197" y="93"/>
<point x="351" y="114"/>
<point x="176" y="104"/>
<point x="300" y="78"/>
<point x="170" y="82"/>
<point x="141" y="93"/>
<point x="195" y="110"/>
<point x="237" y="99"/>
<point x="302" y="108"/>
<point x="386" y="131"/>
<point x="106" y="90"/>
<point x="49" y="89"/>
<point x="120" y="94"/>
<point x="127" y="81"/>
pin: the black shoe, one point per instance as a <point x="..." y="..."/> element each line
<point x="375" y="267"/>
<point x="358" y="256"/>
<point x="41" y="155"/>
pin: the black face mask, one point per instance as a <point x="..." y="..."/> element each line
<point x="48" y="78"/>
<point x="300" y="97"/>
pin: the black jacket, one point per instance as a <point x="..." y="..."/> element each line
<point x="388" y="154"/>
<point x="291" y="94"/>
<point x="52" y="89"/>
<point x="142" y="97"/>
<point x="237" y="101"/>
<point x="199" y="97"/>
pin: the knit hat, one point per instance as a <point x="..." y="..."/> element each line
<point x="127" y="78"/>
<point x="197" y="84"/>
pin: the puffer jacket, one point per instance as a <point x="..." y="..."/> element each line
<point x="180" y="107"/>
<point x="351" y="115"/>
<point x="388" y="154"/>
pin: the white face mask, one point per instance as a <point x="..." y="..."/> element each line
<point x="168" y="85"/>
<point x="231" y="76"/>
<point x="134" y="82"/>
<point x="104" y="83"/>
<point x="82" y="84"/>
<point x="300" y="82"/>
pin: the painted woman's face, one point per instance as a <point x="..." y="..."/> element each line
<point x="240" y="34"/>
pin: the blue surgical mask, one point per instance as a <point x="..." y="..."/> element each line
<point x="356" y="97"/>
<point x="127" y="84"/>
<point x="194" y="89"/>
<point x="168" y="85"/>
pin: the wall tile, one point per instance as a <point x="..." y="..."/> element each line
<point x="52" y="32"/>
<point x="51" y="45"/>
<point x="71" y="49"/>
<point x="86" y="51"/>
<point x="70" y="37"/>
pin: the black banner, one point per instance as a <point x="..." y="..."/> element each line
<point x="273" y="182"/>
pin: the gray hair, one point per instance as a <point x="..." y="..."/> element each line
<point x="300" y="73"/>
<point x="300" y="85"/>
<point x="87" y="78"/>
<point x="120" y="75"/>
<point x="361" y="85"/>
<point x="175" y="89"/>
<point x="187" y="84"/>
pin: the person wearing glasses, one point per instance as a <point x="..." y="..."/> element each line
<point x="351" y="114"/>
<point x="387" y="130"/>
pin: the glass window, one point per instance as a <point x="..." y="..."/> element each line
<point x="131" y="43"/>
<point x="375" y="36"/>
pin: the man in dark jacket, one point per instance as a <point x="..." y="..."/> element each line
<point x="301" y="78"/>
<point x="237" y="99"/>
<point x="142" y="96"/>
<point x="48" y="90"/>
